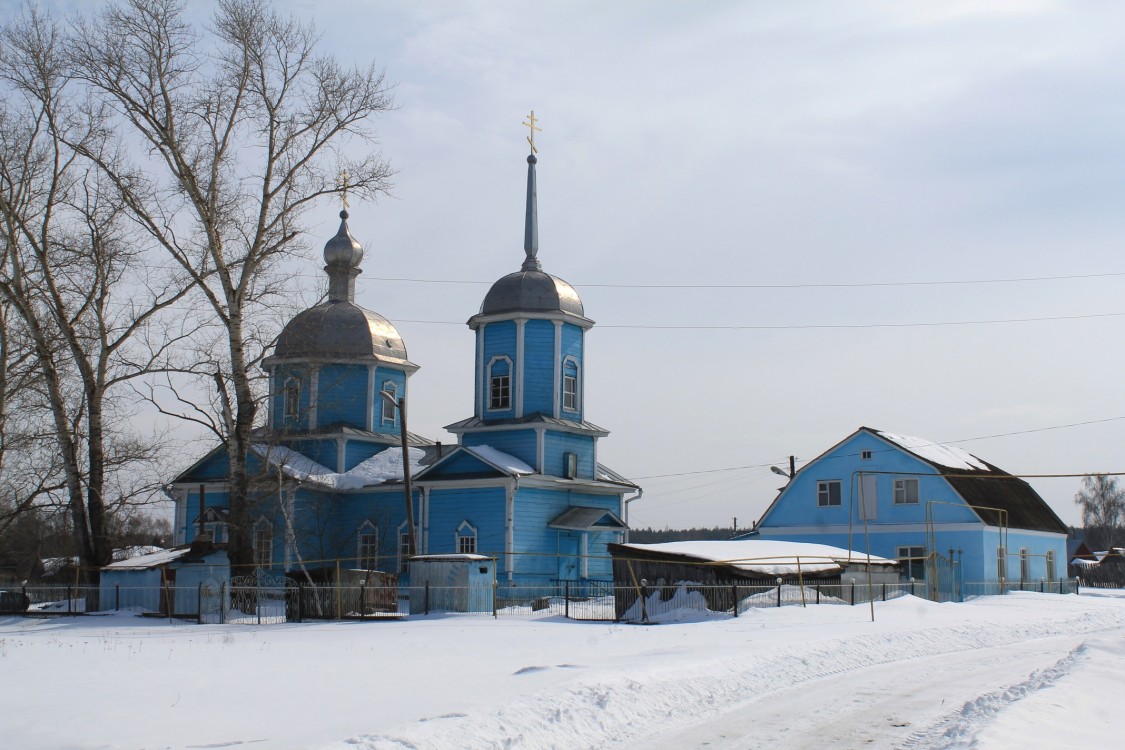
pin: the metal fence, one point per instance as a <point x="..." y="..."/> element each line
<point x="264" y="600"/>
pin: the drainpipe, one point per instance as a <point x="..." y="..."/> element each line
<point x="638" y="496"/>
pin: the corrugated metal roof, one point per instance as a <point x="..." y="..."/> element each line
<point x="582" y="518"/>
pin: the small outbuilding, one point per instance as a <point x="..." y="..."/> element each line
<point x="175" y="582"/>
<point x="451" y="583"/>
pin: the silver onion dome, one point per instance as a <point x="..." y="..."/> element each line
<point x="340" y="330"/>
<point x="531" y="291"/>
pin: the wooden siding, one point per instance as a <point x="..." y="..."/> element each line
<point x="382" y="375"/>
<point x="358" y="451"/>
<point x="482" y="507"/>
<point x="342" y="396"/>
<point x="324" y="451"/>
<point x="520" y="443"/>
<point x="462" y="465"/>
<point x="499" y="341"/>
<point x="539" y="367"/>
<point x="281" y="374"/>
<point x="558" y="443"/>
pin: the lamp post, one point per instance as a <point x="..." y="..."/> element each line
<point x="412" y="543"/>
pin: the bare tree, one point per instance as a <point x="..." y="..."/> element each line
<point x="1102" y="504"/>
<point x="86" y="298"/>
<point x="245" y="123"/>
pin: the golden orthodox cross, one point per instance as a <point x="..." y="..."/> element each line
<point x="532" y="126"/>
<point x="344" y="177"/>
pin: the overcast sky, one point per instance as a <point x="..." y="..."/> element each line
<point x="793" y="146"/>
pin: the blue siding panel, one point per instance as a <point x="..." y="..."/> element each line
<point x="572" y="347"/>
<point x="384" y="375"/>
<point x="539" y="367"/>
<point x="342" y="395"/>
<point x="559" y="443"/>
<point x="482" y="507"/>
<point x="499" y="341"/>
<point x="519" y="443"/>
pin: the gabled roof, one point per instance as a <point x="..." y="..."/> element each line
<point x="995" y="492"/>
<point x="490" y="460"/>
<point x="582" y="518"/>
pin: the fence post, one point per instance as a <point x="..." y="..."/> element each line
<point x="494" y="594"/>
<point x="884" y="591"/>
<point x="427" y="597"/>
<point x="734" y="597"/>
<point x="300" y="602"/>
<point x="566" y="603"/>
<point x="853" y="593"/>
<point x="199" y="604"/>
<point x="69" y="601"/>
<point x="779" y="594"/>
<point x="222" y="602"/>
<point x="116" y="597"/>
<point x="818" y="593"/>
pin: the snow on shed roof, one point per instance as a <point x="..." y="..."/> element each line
<point x="767" y="556"/>
<point x="936" y="453"/>
<point x="151" y="560"/>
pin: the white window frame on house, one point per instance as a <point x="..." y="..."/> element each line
<point x="291" y="398"/>
<point x="387" y="413"/>
<point x="570" y="393"/>
<point x="824" y="497"/>
<point x="367" y="546"/>
<point x="499" y="386"/>
<point x="903" y="493"/>
<point x="914" y="561"/>
<point x="403" y="546"/>
<point x="1025" y="564"/>
<point x="865" y="455"/>
<point x="263" y="544"/>
<point x="465" y="541"/>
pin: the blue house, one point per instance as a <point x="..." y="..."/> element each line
<point x="523" y="484"/>
<point x="939" y="509"/>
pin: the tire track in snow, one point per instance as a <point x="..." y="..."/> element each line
<point x="607" y="709"/>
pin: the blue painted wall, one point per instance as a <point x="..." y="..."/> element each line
<point x="558" y="443"/>
<point x="572" y="347"/>
<point x="382" y="376"/>
<point x="342" y="395"/>
<point x="280" y="375"/>
<point x="521" y="443"/>
<point x="482" y="507"/>
<point x="499" y="341"/>
<point x="539" y="367"/>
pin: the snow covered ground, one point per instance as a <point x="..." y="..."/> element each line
<point x="1023" y="670"/>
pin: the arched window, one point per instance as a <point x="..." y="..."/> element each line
<point x="263" y="543"/>
<point x="291" y="395"/>
<point x="367" y="546"/>
<point x="403" y="546"/>
<point x="466" y="539"/>
<point x="389" y="408"/>
<point x="500" y="384"/>
<point x="570" y="385"/>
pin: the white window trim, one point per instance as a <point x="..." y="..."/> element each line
<point x="910" y="554"/>
<point x="262" y="525"/>
<point x="900" y="485"/>
<point x="828" y="493"/>
<point x="467" y="531"/>
<point x="488" y="384"/>
<point x="291" y="408"/>
<point x="391" y="387"/>
<point x="366" y="528"/>
<point x="572" y="360"/>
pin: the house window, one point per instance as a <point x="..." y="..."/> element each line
<point x="570" y="385"/>
<point x="466" y="539"/>
<point x="1025" y="565"/>
<point x="865" y="455"/>
<point x="1051" y="566"/>
<point x="367" y="544"/>
<point x="500" y="384"/>
<point x="906" y="492"/>
<point x="263" y="544"/>
<point x="828" y="493"/>
<point x="388" y="414"/>
<point x="291" y="395"/>
<point x="913" y="562"/>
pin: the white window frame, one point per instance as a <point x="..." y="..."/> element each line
<point x="263" y="544"/>
<point x="914" y="559"/>
<point x="387" y="413"/>
<point x="824" y="493"/>
<point x="902" y="494"/>
<point x="291" y="398"/>
<point x="403" y="546"/>
<point x="367" y="546"/>
<point x="865" y="455"/>
<point x="494" y="385"/>
<point x="465" y="540"/>
<point x="571" y="397"/>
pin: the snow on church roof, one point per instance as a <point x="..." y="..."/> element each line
<point x="936" y="453"/>
<point x="500" y="460"/>
<point x="385" y="466"/>
<point x="766" y="556"/>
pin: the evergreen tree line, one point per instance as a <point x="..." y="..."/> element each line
<point x="154" y="175"/>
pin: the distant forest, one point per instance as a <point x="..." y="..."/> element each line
<point x="655" y="536"/>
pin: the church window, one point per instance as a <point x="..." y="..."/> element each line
<point x="466" y="539"/>
<point x="570" y="385"/>
<point x="388" y="408"/>
<point x="828" y="493"/>
<point x="367" y="543"/>
<point x="263" y="544"/>
<point x="500" y="384"/>
<point x="403" y="546"/>
<point x="292" y="398"/>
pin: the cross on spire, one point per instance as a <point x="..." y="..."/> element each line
<point x="530" y="124"/>
<point x="344" y="177"/>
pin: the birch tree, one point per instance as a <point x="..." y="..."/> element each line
<point x="247" y="125"/>
<point x="1102" y="503"/>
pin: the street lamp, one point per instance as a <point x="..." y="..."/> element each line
<point x="792" y="469"/>
<point x="412" y="542"/>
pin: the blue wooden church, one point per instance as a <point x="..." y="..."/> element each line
<point x="937" y="508"/>
<point x="523" y="484"/>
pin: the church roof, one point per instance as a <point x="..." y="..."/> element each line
<point x="530" y="419"/>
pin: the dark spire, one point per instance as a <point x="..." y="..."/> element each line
<point x="342" y="256"/>
<point x="531" y="222"/>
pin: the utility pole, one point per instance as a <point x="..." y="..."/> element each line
<point x="412" y="542"/>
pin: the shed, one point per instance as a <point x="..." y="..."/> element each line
<point x="179" y="577"/>
<point x="451" y="583"/>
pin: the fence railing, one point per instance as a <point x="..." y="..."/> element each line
<point x="268" y="601"/>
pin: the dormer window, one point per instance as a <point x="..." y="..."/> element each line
<point x="291" y="397"/>
<point x="500" y="384"/>
<point x="570" y="385"/>
<point x="388" y="415"/>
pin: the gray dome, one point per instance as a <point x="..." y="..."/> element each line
<point x="343" y="249"/>
<point x="340" y="330"/>
<point x="531" y="291"/>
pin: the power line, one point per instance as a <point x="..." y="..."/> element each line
<point x="825" y="285"/>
